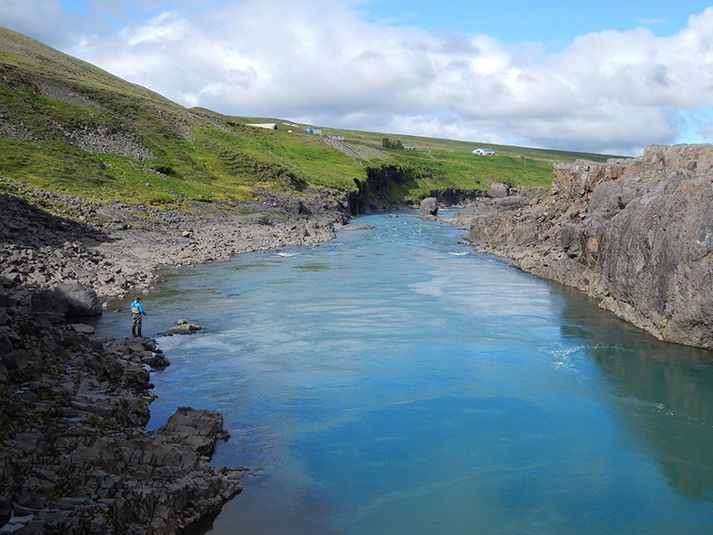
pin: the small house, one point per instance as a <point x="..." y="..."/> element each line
<point x="484" y="151"/>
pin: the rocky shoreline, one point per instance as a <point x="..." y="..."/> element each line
<point x="74" y="455"/>
<point x="47" y="238"/>
<point x="636" y="234"/>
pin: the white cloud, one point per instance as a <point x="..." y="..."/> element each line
<point x="166" y="28"/>
<point x="44" y="18"/>
<point x="323" y="62"/>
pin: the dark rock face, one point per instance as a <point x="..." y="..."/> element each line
<point x="375" y="192"/>
<point x="74" y="456"/>
<point x="636" y="234"/>
<point x="456" y="196"/>
<point x="428" y="208"/>
<point x="81" y="300"/>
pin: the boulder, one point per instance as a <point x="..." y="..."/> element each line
<point x="16" y="360"/>
<point x="199" y="428"/>
<point x="81" y="300"/>
<point x="50" y="304"/>
<point x="83" y="328"/>
<point x="182" y="327"/>
<point x="428" y="208"/>
<point x="498" y="190"/>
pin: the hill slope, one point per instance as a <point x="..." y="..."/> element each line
<point x="68" y="125"/>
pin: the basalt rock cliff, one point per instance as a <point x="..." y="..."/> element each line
<point x="637" y="234"/>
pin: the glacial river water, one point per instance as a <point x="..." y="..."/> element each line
<point x="395" y="382"/>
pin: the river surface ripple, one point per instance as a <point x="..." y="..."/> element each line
<point x="395" y="382"/>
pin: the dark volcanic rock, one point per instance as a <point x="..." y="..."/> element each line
<point x="81" y="300"/>
<point x="637" y="234"/>
<point x="74" y="456"/>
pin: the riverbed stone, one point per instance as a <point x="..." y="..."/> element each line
<point x="182" y="327"/>
<point x="83" y="328"/>
<point x="428" y="208"/>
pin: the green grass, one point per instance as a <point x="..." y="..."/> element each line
<point x="374" y="139"/>
<point x="200" y="154"/>
<point x="439" y="170"/>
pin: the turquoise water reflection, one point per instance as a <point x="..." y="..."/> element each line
<point x="393" y="381"/>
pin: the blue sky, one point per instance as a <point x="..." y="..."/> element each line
<point x="553" y="23"/>
<point x="603" y="77"/>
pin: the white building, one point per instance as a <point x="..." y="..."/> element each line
<point x="484" y="152"/>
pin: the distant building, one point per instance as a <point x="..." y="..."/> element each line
<point x="315" y="131"/>
<point x="409" y="147"/>
<point x="268" y="126"/>
<point x="484" y="152"/>
<point x="336" y="138"/>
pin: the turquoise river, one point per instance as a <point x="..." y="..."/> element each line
<point x="393" y="381"/>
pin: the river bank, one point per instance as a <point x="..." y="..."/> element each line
<point x="74" y="454"/>
<point x="114" y="247"/>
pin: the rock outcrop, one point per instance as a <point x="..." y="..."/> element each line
<point x="498" y="190"/>
<point x="81" y="300"/>
<point x="428" y="208"/>
<point x="182" y="327"/>
<point x="637" y="234"/>
<point x="74" y="456"/>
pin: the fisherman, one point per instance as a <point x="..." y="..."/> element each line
<point x="137" y="311"/>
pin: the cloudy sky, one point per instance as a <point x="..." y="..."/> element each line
<point x="607" y="77"/>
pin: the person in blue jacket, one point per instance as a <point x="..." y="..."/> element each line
<point x="137" y="312"/>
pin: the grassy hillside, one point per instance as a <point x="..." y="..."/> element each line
<point x="68" y="125"/>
